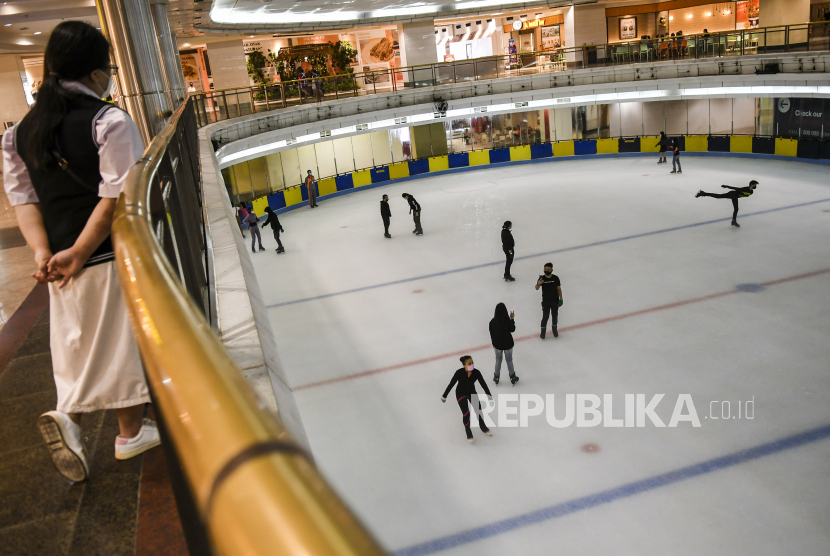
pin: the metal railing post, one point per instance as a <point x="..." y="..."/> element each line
<point x="225" y="103"/>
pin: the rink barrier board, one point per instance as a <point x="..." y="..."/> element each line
<point x="718" y="143"/>
<point x="810" y="150"/>
<point x="648" y="144"/>
<point x="519" y="153"/>
<point x="629" y="145"/>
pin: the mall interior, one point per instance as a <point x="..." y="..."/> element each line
<point x="294" y="384"/>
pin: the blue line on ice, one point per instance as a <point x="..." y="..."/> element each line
<point x="544" y="254"/>
<point x="624" y="491"/>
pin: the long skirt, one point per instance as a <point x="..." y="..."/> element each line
<point x="95" y="358"/>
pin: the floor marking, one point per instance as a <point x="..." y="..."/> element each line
<point x="536" y="255"/>
<point x="611" y="495"/>
<point x="561" y="329"/>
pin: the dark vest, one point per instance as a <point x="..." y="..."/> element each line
<point x="66" y="204"/>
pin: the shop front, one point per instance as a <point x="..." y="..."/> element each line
<point x="687" y="17"/>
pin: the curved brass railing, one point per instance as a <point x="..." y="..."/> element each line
<point x="256" y="492"/>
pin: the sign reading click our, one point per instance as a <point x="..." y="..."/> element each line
<point x="522" y="25"/>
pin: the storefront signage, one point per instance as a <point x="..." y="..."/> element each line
<point x="522" y="25"/>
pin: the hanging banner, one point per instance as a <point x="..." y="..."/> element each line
<point x="801" y="117"/>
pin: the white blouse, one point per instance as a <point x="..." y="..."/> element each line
<point x="119" y="148"/>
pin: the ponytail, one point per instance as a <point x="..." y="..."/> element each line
<point x="75" y="49"/>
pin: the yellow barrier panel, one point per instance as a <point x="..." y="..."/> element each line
<point x="740" y="144"/>
<point x="326" y="186"/>
<point x="399" y="170"/>
<point x="697" y="143"/>
<point x="479" y="158"/>
<point x="563" y="148"/>
<point x="649" y="144"/>
<point x="608" y="146"/>
<point x="786" y="147"/>
<point x="259" y="205"/>
<point x="438" y="163"/>
<point x="361" y="178"/>
<point x="520" y="153"/>
<point x="293" y="196"/>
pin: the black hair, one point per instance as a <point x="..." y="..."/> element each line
<point x="548" y="264"/>
<point x="464" y="358"/>
<point x="75" y="49"/>
<point x="405" y="195"/>
<point x="501" y="312"/>
<point x="753" y="182"/>
<point x="385" y="196"/>
<point x="507" y="224"/>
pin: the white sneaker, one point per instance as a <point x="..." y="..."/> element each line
<point x="63" y="438"/>
<point x="147" y="437"/>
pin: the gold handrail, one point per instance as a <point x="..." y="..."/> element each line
<point x="255" y="489"/>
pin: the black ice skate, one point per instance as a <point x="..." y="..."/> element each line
<point x="509" y="279"/>
<point x="542" y="335"/>
<point x="496" y="380"/>
<point x="673" y="172"/>
<point x="735" y="223"/>
<point x="699" y="194"/>
<point x="280" y="249"/>
<point x="555" y="332"/>
<point x="387" y="236"/>
<point x="514" y="379"/>
<point x="253" y="249"/>
<point x="261" y="248"/>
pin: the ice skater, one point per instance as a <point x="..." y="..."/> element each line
<point x="675" y="159"/>
<point x="311" y="185"/>
<point x="663" y="142"/>
<point x="507" y="245"/>
<point x="415" y="211"/>
<point x="274" y="222"/>
<point x="466" y="377"/>
<point x="386" y="215"/>
<point x="502" y="327"/>
<point x="241" y="213"/>
<point x="551" y="299"/>
<point x="735" y="194"/>
<point x="253" y="226"/>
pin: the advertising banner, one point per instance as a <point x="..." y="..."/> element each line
<point x="801" y="117"/>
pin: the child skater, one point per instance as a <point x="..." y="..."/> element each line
<point x="274" y="221"/>
<point x="466" y="378"/>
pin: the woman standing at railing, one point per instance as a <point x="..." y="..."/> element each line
<point x="64" y="165"/>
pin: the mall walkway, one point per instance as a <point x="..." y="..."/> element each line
<point x="124" y="508"/>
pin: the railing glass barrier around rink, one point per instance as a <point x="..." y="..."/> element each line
<point x="215" y="106"/>
<point x="242" y="484"/>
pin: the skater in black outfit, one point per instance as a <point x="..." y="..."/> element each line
<point x="466" y="377"/>
<point x="274" y="221"/>
<point x="507" y="245"/>
<point x="735" y="194"/>
<point x="551" y="298"/>
<point x="386" y="214"/>
<point x="501" y="334"/>
<point x="675" y="159"/>
<point x="415" y="211"/>
<point x="663" y="142"/>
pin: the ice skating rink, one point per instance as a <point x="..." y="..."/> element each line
<point x="661" y="295"/>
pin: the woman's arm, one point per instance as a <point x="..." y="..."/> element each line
<point x="483" y="384"/>
<point x="30" y="221"/>
<point x="452" y="383"/>
<point x="67" y="263"/>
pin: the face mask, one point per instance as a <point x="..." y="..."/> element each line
<point x="548" y="272"/>
<point x="108" y="90"/>
<point x="470" y="367"/>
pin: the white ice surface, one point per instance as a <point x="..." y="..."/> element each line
<point x="399" y="456"/>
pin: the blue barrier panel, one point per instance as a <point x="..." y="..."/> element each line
<point x="630" y="145"/>
<point x="719" y="144"/>
<point x="342" y="182"/>
<point x="499" y="155"/>
<point x="380" y="174"/>
<point x="418" y="166"/>
<point x="545" y="150"/>
<point x="809" y="148"/>
<point x="585" y="147"/>
<point x="763" y="145"/>
<point x="277" y="200"/>
<point x="304" y="192"/>
<point x="459" y="160"/>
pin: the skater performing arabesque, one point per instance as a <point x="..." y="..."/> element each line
<point x="735" y="194"/>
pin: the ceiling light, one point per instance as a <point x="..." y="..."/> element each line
<point x="37" y="32"/>
<point x="671" y="18"/>
<point x="689" y="16"/>
<point x="708" y="14"/>
<point x="186" y="44"/>
<point x="7" y="25"/>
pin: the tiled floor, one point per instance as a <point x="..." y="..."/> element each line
<point x="43" y="513"/>
<point x="16" y="263"/>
